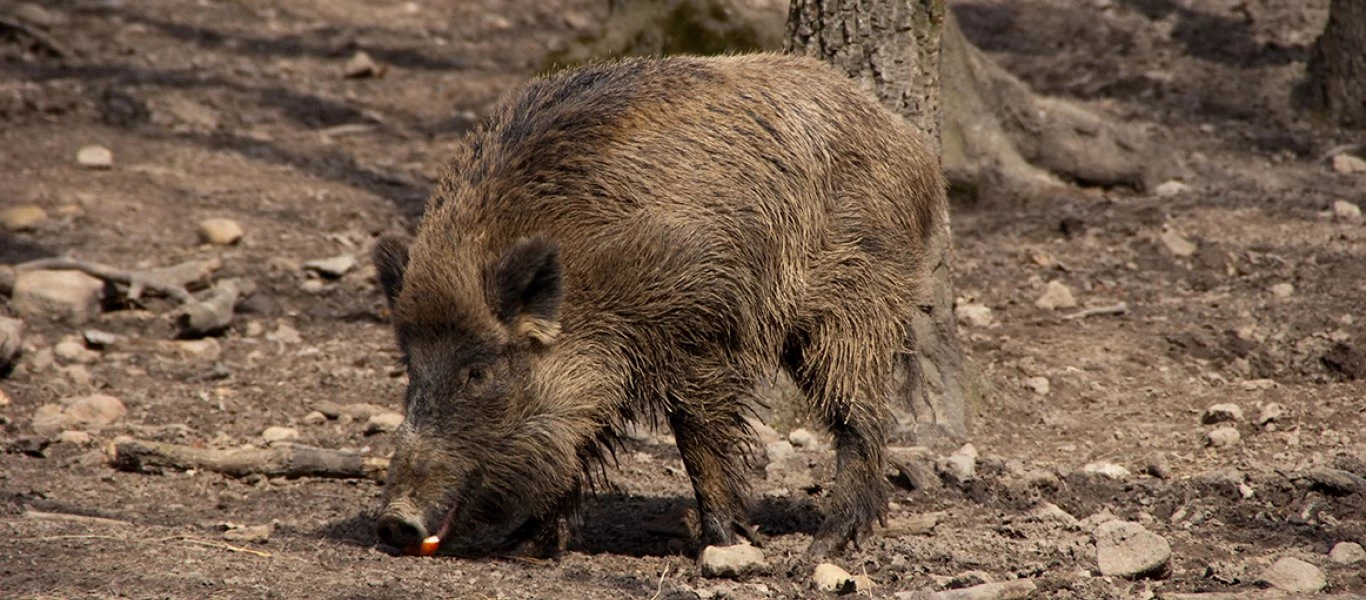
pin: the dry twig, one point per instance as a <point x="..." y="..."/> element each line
<point x="173" y="281"/>
<point x="1114" y="309"/>
<point x="276" y="461"/>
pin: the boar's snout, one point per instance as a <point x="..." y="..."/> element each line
<point x="400" y="529"/>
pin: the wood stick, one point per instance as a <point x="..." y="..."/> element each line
<point x="1114" y="309"/>
<point x="213" y="313"/>
<point x="173" y="281"/>
<point x="51" y="516"/>
<point x="276" y="461"/>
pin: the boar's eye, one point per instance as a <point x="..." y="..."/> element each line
<point x="476" y="376"/>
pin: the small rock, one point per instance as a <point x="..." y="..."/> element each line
<point x="279" y="434"/>
<point x="767" y="435"/>
<point x="95" y="338"/>
<point x="1270" y="413"/>
<point x="1177" y="245"/>
<point x="257" y="534"/>
<point x="1347" y="553"/>
<point x="1056" y="295"/>
<point x="313" y="286"/>
<point x="95" y="157"/>
<point x="1293" y="575"/>
<point x="1038" y="385"/>
<point x="1222" y="413"/>
<point x="70" y="350"/>
<point x="74" y="438"/>
<point x="359" y="411"/>
<point x="98" y="410"/>
<point x="26" y="217"/>
<point x="1346" y="164"/>
<point x="962" y="464"/>
<point x="332" y="268"/>
<point x="11" y="342"/>
<point x="803" y="438"/>
<point x="285" y="335"/>
<point x="1015" y="589"/>
<point x="831" y="578"/>
<point x="1106" y="469"/>
<point x="66" y="295"/>
<point x="37" y="15"/>
<point x="1051" y="513"/>
<point x="254" y="329"/>
<point x="731" y="561"/>
<point x="78" y="375"/>
<point x="779" y="451"/>
<point x="1126" y="549"/>
<point x="923" y="524"/>
<point x="1282" y="290"/>
<point x="1223" y="437"/>
<point x="1346" y="211"/>
<point x="4" y="399"/>
<point x="1171" y="188"/>
<point x="314" y="418"/>
<point x="1158" y="467"/>
<point x="383" y="423"/>
<point x="974" y="315"/>
<point x="49" y="419"/>
<point x="220" y="232"/>
<point x="361" y="65"/>
<point x="204" y="350"/>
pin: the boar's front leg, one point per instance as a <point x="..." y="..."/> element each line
<point x="545" y="536"/>
<point x="708" y="422"/>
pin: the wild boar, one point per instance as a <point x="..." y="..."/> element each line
<point x="643" y="240"/>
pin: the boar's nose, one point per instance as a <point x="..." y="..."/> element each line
<point x="400" y="531"/>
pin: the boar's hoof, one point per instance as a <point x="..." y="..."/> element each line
<point x="539" y="538"/>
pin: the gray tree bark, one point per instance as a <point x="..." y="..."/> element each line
<point x="1336" y="85"/>
<point x="892" y="48"/>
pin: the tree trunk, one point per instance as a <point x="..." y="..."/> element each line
<point x="1337" y="67"/>
<point x="891" y="47"/>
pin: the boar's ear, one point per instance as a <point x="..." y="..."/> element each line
<point x="391" y="258"/>
<point x="526" y="289"/>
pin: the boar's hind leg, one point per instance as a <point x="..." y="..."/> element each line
<point x="831" y="366"/>
<point x="708" y="423"/>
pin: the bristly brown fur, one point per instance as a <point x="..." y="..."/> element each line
<point x="650" y="237"/>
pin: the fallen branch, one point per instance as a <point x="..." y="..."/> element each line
<point x="172" y="282"/>
<point x="1114" y="309"/>
<point x="38" y="35"/>
<point x="276" y="461"/>
<point x="213" y="313"/>
<point x="71" y="518"/>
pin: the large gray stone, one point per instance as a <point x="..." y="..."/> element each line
<point x="69" y="296"/>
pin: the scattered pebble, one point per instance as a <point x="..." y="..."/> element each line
<point x="49" y="419"/>
<point x="95" y="157"/>
<point x="95" y="338"/>
<point x="1056" y="295"/>
<point x="1222" y="413"/>
<point x="922" y="524"/>
<point x="766" y="434"/>
<point x="1223" y="437"/>
<point x="974" y="315"/>
<point x="279" y="434"/>
<point x="74" y="438"/>
<point x="803" y="438"/>
<point x="1171" y="188"/>
<point x="203" y="350"/>
<point x="285" y="335"/>
<point x="1158" y="467"/>
<point x="93" y="411"/>
<point x="385" y="422"/>
<point x="1052" y="513"/>
<point x="734" y="561"/>
<point x="70" y="296"/>
<point x="1126" y="549"/>
<point x="1177" y="245"/>
<point x="71" y="350"/>
<point x="220" y="232"/>
<point x="830" y="578"/>
<point x="1282" y="290"/>
<point x="1293" y="575"/>
<point x="1346" y="211"/>
<point x="1347" y="553"/>
<point x="779" y="451"/>
<point x="1015" y="589"/>
<point x="314" y="418"/>
<point x="1346" y="164"/>
<point x="332" y="268"/>
<point x="4" y="399"/>
<point x="1270" y="413"/>
<point x="962" y="464"/>
<point x="312" y="286"/>
<point x="1107" y="469"/>
<point x="257" y="534"/>
<point x="1039" y="385"/>
<point x="25" y="217"/>
<point x="11" y="342"/>
<point x="361" y="65"/>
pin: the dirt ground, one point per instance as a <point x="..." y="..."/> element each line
<point x="240" y="109"/>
